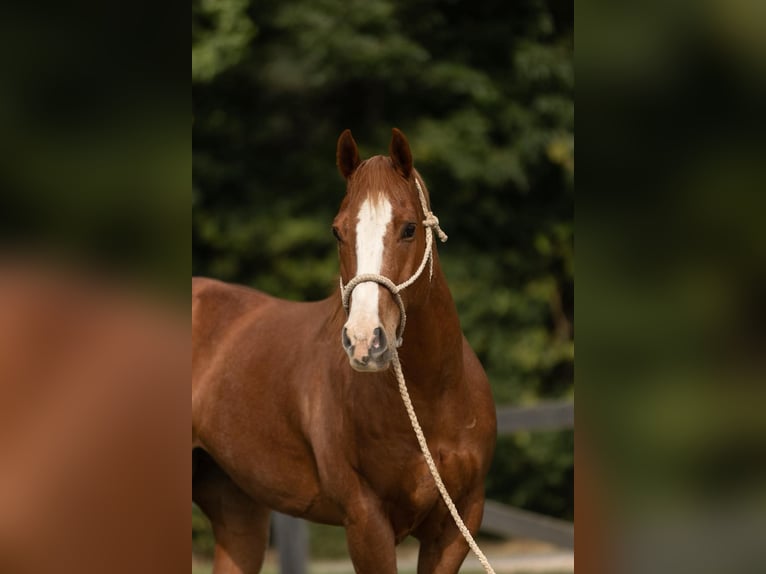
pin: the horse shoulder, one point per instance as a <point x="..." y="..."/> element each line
<point x="476" y="378"/>
<point x="483" y="424"/>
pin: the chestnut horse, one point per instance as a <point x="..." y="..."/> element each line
<point x="295" y="407"/>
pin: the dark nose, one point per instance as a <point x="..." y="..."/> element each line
<point x="379" y="343"/>
<point x="377" y="347"/>
<point x="347" y="342"/>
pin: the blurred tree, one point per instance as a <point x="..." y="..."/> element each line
<point x="484" y="91"/>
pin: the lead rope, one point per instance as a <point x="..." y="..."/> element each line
<point x="431" y="223"/>
<point x="432" y="466"/>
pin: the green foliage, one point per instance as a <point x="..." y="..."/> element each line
<point x="327" y="542"/>
<point x="203" y="542"/>
<point x="484" y="91"/>
<point x="545" y="460"/>
<point x="221" y="32"/>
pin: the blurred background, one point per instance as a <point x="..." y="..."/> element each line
<point x="484" y="92"/>
<point x="671" y="432"/>
<point x="94" y="290"/>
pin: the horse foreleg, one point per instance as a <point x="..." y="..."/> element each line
<point x="442" y="546"/>
<point x="240" y="525"/>
<point x="370" y="537"/>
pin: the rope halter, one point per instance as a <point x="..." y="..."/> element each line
<point x="431" y="223"/>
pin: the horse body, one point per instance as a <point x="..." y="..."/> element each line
<point x="286" y="424"/>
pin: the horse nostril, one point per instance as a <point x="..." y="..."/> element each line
<point x="346" y="341"/>
<point x="379" y="343"/>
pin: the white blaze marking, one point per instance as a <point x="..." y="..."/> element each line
<point x="372" y="221"/>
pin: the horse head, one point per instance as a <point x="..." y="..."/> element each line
<point x="382" y="232"/>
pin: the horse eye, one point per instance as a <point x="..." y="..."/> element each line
<point x="336" y="233"/>
<point x="409" y="231"/>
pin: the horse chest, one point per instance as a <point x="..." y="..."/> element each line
<point x="407" y="488"/>
<point x="418" y="490"/>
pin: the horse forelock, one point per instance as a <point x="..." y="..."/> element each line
<point x="377" y="176"/>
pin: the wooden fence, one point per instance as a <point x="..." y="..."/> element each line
<point x="291" y="534"/>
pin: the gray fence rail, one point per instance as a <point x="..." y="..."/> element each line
<point x="546" y="416"/>
<point x="291" y="534"/>
<point x="507" y="521"/>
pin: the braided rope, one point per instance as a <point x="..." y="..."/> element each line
<point x="388" y="284"/>
<point x="431" y="223"/>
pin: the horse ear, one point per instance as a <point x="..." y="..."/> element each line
<point x="400" y="153"/>
<point x="347" y="155"/>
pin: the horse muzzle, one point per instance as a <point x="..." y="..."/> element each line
<point x="367" y="352"/>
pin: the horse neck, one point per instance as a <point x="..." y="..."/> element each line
<point x="432" y="340"/>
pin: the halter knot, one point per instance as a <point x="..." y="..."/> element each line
<point x="432" y="222"/>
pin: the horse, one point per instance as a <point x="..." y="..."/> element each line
<point x="295" y="406"/>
